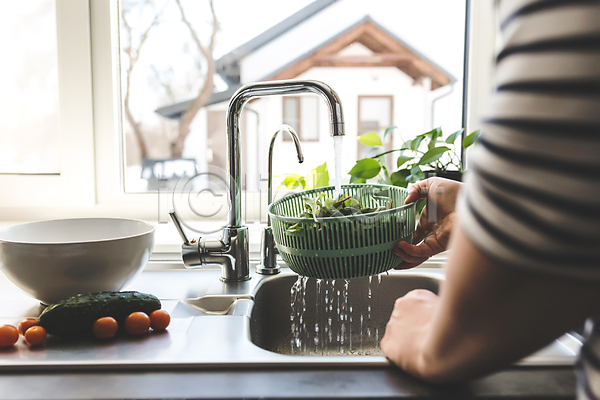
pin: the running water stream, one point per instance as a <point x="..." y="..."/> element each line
<point x="331" y="318"/>
<point x="337" y="150"/>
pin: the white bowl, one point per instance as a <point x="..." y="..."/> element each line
<point x="56" y="259"/>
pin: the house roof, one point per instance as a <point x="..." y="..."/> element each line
<point x="228" y="66"/>
<point x="174" y="111"/>
<point x="387" y="49"/>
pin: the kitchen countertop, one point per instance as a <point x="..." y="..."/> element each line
<point x="252" y="381"/>
<point x="517" y="383"/>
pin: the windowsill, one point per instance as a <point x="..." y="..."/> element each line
<point x="167" y="243"/>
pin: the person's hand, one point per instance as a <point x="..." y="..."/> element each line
<point x="407" y="328"/>
<point x="435" y="223"/>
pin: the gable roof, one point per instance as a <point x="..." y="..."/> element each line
<point x="174" y="111"/>
<point x="387" y="50"/>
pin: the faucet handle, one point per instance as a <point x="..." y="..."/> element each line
<point x="190" y="249"/>
<point x="178" y="226"/>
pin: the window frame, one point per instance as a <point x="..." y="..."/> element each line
<point x="480" y="53"/>
<point x="73" y="186"/>
<point x="92" y="181"/>
<point x="109" y="174"/>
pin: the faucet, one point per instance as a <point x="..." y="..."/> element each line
<point x="230" y="251"/>
<point x="268" y="252"/>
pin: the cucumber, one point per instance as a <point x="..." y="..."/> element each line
<point x="75" y="316"/>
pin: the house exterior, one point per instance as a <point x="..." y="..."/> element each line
<point x="380" y="79"/>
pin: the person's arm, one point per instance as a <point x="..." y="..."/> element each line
<point x="486" y="316"/>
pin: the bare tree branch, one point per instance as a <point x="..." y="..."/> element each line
<point x="207" y="88"/>
<point x="133" y="54"/>
<point x="164" y="79"/>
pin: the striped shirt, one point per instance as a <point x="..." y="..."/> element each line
<point x="532" y="192"/>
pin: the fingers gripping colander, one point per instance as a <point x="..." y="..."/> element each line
<point x="343" y="247"/>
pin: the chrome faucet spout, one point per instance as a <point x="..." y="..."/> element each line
<point x="296" y="140"/>
<point x="263" y="89"/>
<point x="268" y="252"/>
<point x="230" y="250"/>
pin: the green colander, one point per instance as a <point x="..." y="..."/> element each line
<point x="343" y="247"/>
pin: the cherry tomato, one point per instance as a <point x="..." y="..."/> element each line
<point x="8" y="335"/>
<point x="35" y="335"/>
<point x="137" y="323"/>
<point x="159" y="320"/>
<point x="26" y="324"/>
<point x="105" y="328"/>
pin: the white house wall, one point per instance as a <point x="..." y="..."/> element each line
<point x="411" y="114"/>
<point x="410" y="104"/>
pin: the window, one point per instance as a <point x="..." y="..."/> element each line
<point x="29" y="96"/>
<point x="302" y="114"/>
<point x="95" y="159"/>
<point x="375" y="113"/>
<point x="371" y="51"/>
<point x="46" y="124"/>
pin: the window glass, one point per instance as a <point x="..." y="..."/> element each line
<point x="374" y="114"/>
<point x="309" y="118"/>
<point x="29" y="135"/>
<point x="302" y="114"/>
<point x="391" y="62"/>
<point x="291" y="114"/>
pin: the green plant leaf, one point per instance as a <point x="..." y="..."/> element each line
<point x="398" y="178"/>
<point x="389" y="129"/>
<point x="386" y="152"/>
<point x="317" y="177"/>
<point x="450" y="139"/>
<point x="416" y="170"/>
<point x="386" y="176"/>
<point x="428" y="133"/>
<point x="415" y="174"/>
<point x="470" y="139"/>
<point x="292" y="181"/>
<point x="366" y="168"/>
<point x="322" y="206"/>
<point x="356" y="179"/>
<point x="434" y="134"/>
<point x="416" y="142"/>
<point x="433" y="155"/>
<point x="351" y="202"/>
<point x="370" y="139"/>
<point x="406" y="145"/>
<point x="402" y="159"/>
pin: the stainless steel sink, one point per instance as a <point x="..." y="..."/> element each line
<point x="265" y="321"/>
<point x="301" y="316"/>
<point x="326" y="320"/>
